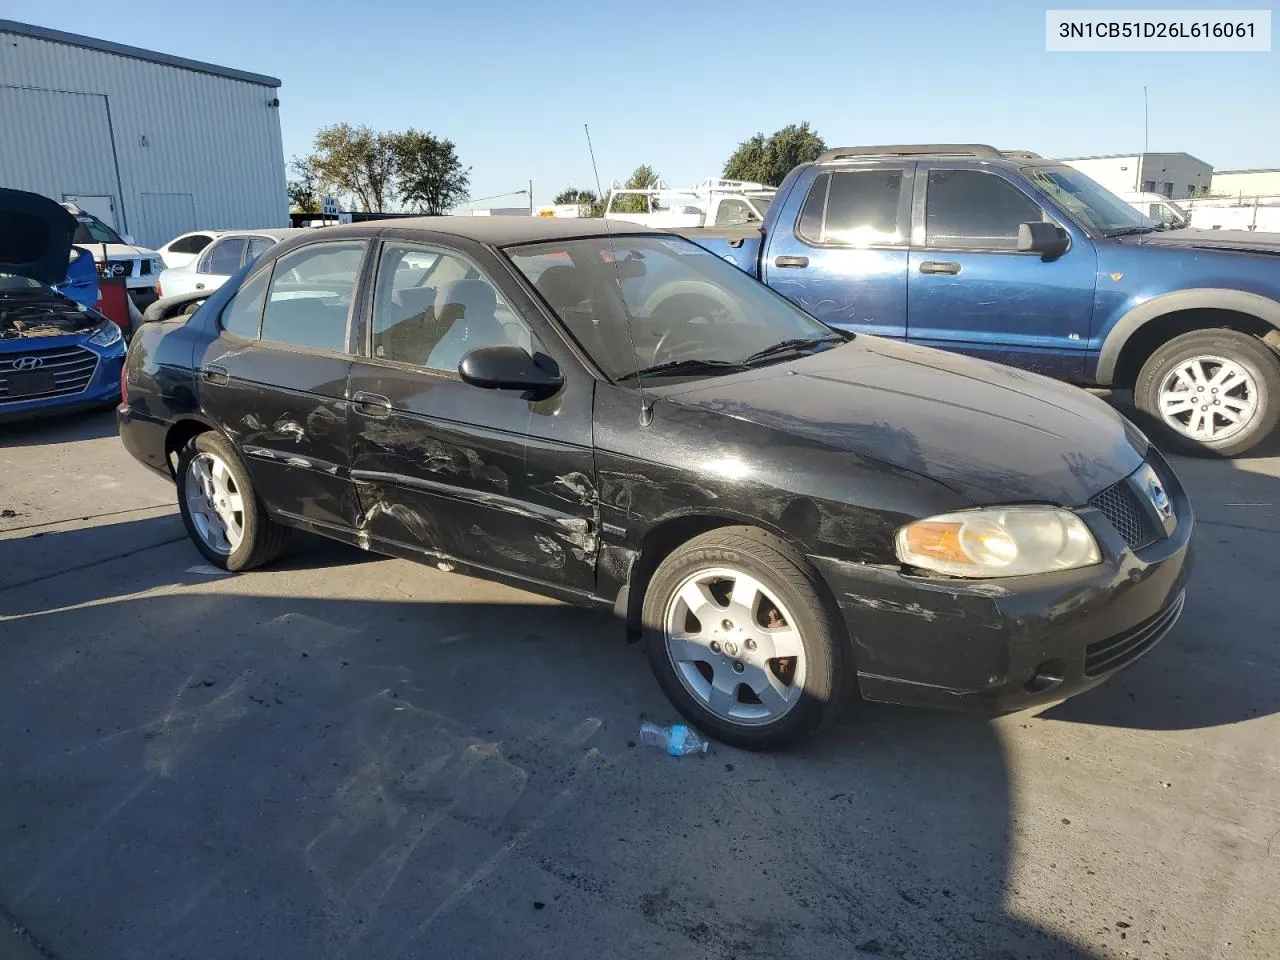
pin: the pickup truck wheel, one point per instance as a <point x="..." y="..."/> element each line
<point x="741" y="641"/>
<point x="1214" y="392"/>
<point x="220" y="509"/>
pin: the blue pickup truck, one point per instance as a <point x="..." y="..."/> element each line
<point x="1025" y="261"/>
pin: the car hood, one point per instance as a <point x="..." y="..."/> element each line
<point x="991" y="433"/>
<point x="117" y="251"/>
<point x="29" y="314"/>
<point x="1243" y="241"/>
<point x="35" y="236"/>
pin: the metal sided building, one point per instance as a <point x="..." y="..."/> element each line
<point x="152" y="144"/>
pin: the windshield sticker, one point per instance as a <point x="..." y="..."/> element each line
<point x="685" y="248"/>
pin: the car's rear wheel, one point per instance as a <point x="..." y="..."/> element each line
<point x="1211" y="391"/>
<point x="220" y="508"/>
<point x="741" y="640"/>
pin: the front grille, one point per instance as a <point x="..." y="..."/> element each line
<point x="1120" y="505"/>
<point x="144" y="267"/>
<point x="1111" y="654"/>
<point x="120" y="268"/>
<point x="62" y="372"/>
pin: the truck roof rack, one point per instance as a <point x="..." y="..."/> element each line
<point x="980" y="150"/>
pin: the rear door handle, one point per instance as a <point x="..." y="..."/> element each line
<point x="790" y="261"/>
<point x="214" y="374"/>
<point x="940" y="266"/>
<point x="372" y="404"/>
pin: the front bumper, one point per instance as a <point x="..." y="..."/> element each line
<point x="102" y="388"/>
<point x="1007" y="644"/>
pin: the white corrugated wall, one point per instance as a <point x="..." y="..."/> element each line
<point x="174" y="132"/>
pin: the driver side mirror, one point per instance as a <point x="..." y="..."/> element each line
<point x="1047" y="239"/>
<point x="508" y="367"/>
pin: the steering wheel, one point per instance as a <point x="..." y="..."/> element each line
<point x="679" y="340"/>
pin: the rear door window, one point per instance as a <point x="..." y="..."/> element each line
<point x="854" y="208"/>
<point x="223" y="258"/>
<point x="309" y="301"/>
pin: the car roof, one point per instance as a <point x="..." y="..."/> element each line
<point x="276" y="233"/>
<point x="495" y="231"/>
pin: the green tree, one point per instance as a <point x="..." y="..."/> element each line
<point x="356" y="161"/>
<point x="589" y="204"/>
<point x="769" y="159"/>
<point x="644" y="177"/>
<point x="429" y="176"/>
<point x="304" y="187"/>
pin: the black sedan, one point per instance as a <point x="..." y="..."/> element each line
<point x="782" y="512"/>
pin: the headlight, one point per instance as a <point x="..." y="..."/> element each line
<point x="998" y="542"/>
<point x="106" y="335"/>
<point x="157" y="265"/>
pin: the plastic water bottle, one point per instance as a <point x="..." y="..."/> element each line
<point x="677" y="740"/>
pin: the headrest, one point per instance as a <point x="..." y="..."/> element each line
<point x="560" y="287"/>
<point x="475" y="297"/>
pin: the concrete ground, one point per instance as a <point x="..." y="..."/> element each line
<point x="349" y="757"/>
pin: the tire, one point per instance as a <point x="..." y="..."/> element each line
<point x="698" y="662"/>
<point x="256" y="538"/>
<point x="1191" y="364"/>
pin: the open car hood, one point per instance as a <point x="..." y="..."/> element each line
<point x="35" y="236"/>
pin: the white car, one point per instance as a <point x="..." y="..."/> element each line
<point x="117" y="256"/>
<point x="220" y="259"/>
<point x="180" y="251"/>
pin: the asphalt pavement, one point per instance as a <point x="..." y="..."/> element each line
<point x="343" y="756"/>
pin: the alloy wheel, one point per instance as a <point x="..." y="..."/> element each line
<point x="735" y="646"/>
<point x="214" y="503"/>
<point x="1208" y="398"/>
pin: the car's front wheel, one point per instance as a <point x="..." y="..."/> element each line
<point x="1211" y="391"/>
<point x="220" y="508"/>
<point x="741" y="641"/>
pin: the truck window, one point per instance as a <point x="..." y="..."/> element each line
<point x="975" y="210"/>
<point x="853" y="207"/>
<point x="733" y="211"/>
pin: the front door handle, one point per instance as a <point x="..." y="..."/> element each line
<point x="790" y="261"/>
<point x="372" y="404"/>
<point x="199" y="286"/>
<point x="214" y="374"/>
<point x="940" y="266"/>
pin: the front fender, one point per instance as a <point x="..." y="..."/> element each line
<point x="1207" y="298"/>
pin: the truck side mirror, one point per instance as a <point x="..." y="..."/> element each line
<point x="1047" y="239"/>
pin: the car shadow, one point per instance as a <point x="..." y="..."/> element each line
<point x="376" y="779"/>
<point x="59" y="428"/>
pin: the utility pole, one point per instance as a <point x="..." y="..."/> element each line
<point x="531" y="198"/>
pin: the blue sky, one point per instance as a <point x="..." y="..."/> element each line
<point x="678" y="85"/>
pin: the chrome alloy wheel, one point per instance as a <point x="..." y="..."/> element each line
<point x="1208" y="398"/>
<point x="214" y="503"/>
<point x="735" y="647"/>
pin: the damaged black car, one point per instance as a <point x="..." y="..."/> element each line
<point x="783" y="513"/>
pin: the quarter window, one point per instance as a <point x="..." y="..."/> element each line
<point x="731" y="212"/>
<point x="310" y="296"/>
<point x="975" y="210"/>
<point x="854" y="208"/>
<point x="257" y="247"/>
<point x="431" y="307"/>
<point x="242" y="316"/>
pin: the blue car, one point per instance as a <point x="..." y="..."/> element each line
<point x="56" y="354"/>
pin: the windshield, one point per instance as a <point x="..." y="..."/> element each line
<point x="641" y="301"/>
<point x="1091" y="204"/>
<point x="92" y="230"/>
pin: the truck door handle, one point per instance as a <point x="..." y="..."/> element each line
<point x="213" y="374"/>
<point x="790" y="261"/>
<point x="372" y="404"/>
<point x="939" y="266"/>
